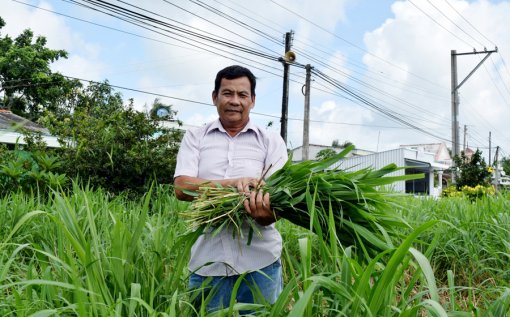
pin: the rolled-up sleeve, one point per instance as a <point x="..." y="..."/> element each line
<point x="188" y="156"/>
<point x="276" y="154"/>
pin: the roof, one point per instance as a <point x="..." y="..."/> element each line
<point x="440" y="150"/>
<point x="9" y="120"/>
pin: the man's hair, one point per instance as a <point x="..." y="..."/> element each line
<point x="233" y="72"/>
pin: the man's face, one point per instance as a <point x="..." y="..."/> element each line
<point x="234" y="102"/>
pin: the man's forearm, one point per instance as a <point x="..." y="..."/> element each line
<point x="188" y="183"/>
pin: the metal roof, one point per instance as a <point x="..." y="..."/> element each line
<point x="10" y="121"/>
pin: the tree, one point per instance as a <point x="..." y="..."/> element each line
<point x="324" y="154"/>
<point x="28" y="85"/>
<point x="505" y="163"/>
<point x="113" y="146"/>
<point x="336" y="144"/>
<point x="471" y="171"/>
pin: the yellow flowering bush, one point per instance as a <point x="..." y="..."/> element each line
<point x="478" y="191"/>
<point x="469" y="191"/>
<point x="451" y="191"/>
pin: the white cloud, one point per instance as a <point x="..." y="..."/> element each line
<point x="84" y="57"/>
<point x="419" y="51"/>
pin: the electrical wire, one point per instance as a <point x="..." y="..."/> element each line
<point x="200" y="102"/>
<point x="352" y="44"/>
<point x="453" y="22"/>
<point x="439" y="24"/>
<point x="365" y="101"/>
<point x="470" y="24"/>
<point x="149" y="23"/>
<point x="234" y="20"/>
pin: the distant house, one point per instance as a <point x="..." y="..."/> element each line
<point x="441" y="155"/>
<point x="415" y="161"/>
<point x="10" y="122"/>
<point x="468" y="152"/>
<point x="440" y="151"/>
<point x="431" y="160"/>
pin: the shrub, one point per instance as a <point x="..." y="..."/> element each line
<point x="113" y="146"/>
<point x="470" y="192"/>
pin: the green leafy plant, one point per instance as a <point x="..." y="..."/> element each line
<point x="313" y="195"/>
<point x="325" y="154"/>
<point x="28" y="85"/>
<point x="471" y="171"/>
<point x="111" y="145"/>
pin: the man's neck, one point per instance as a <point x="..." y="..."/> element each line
<point x="233" y="130"/>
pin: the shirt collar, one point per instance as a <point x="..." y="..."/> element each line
<point x="216" y="125"/>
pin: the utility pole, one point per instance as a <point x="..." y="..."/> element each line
<point x="306" y="119"/>
<point x="496" y="169"/>
<point x="464" y="143"/>
<point x="490" y="147"/>
<point x="455" y="92"/>
<point x="289" y="58"/>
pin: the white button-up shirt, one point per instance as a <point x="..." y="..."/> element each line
<point x="209" y="152"/>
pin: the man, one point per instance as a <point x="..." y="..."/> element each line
<point x="232" y="151"/>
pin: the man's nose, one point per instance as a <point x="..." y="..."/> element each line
<point x="235" y="99"/>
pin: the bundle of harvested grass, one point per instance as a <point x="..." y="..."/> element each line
<point x="352" y="207"/>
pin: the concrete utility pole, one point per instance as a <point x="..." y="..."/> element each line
<point x="490" y="147"/>
<point x="289" y="58"/>
<point x="464" y="143"/>
<point x="455" y="93"/>
<point x="306" y="119"/>
<point x="496" y="169"/>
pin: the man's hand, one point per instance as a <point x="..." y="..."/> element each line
<point x="258" y="206"/>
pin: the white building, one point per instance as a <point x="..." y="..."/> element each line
<point x="415" y="161"/>
<point x="429" y="159"/>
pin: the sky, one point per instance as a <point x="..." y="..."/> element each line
<point x="381" y="73"/>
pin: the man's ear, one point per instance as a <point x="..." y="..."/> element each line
<point x="214" y="95"/>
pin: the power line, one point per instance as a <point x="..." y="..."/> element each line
<point x="365" y="101"/>
<point x="439" y="24"/>
<point x="242" y="60"/>
<point x="150" y="23"/>
<point x="501" y="80"/>
<point x="453" y="22"/>
<point x="196" y="102"/>
<point x="470" y="24"/>
<point x="352" y="44"/>
<point x="234" y="20"/>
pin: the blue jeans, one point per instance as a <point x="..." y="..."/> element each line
<point x="262" y="286"/>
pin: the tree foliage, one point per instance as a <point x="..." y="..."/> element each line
<point x="324" y="154"/>
<point x="28" y="85"/>
<point x="505" y="163"/>
<point x="471" y="171"/>
<point x="114" y="146"/>
<point x="29" y="168"/>
<point x="336" y="144"/>
<point x="104" y="142"/>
